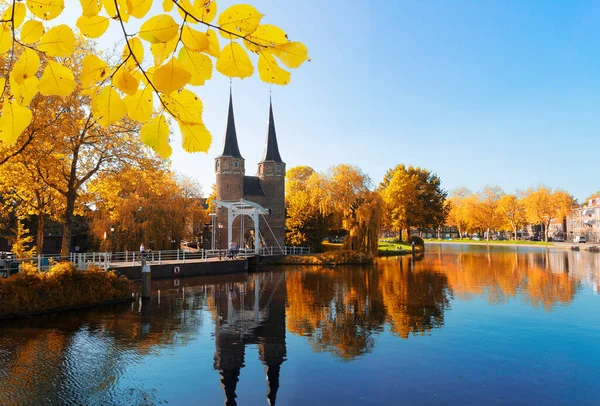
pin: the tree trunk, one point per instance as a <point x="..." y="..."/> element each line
<point x="488" y="234"/>
<point x="68" y="224"/>
<point x="39" y="242"/>
<point x="515" y="231"/>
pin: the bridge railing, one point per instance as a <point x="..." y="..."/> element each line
<point x="105" y="260"/>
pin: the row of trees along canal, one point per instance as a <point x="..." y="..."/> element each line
<point x="492" y="210"/>
<point x="407" y="198"/>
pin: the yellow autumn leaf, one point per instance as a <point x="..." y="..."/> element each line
<point x="20" y="13"/>
<point x="25" y="91"/>
<point x="26" y="66"/>
<point x="111" y="10"/>
<point x="171" y="76"/>
<point x="240" y="19"/>
<point x="292" y="54"/>
<point x="139" y="105"/>
<point x="56" y="80"/>
<point x="270" y="72"/>
<point x="31" y="32"/>
<point x="125" y="81"/>
<point x="155" y="134"/>
<point x="138" y="51"/>
<point x="108" y="107"/>
<point x="194" y="136"/>
<point x="92" y="27"/>
<point x="198" y="65"/>
<point x="13" y="122"/>
<point x="234" y="62"/>
<point x="266" y="35"/>
<point x="168" y="5"/>
<point x="213" y="47"/>
<point x="46" y="9"/>
<point x="162" y="50"/>
<point x="90" y="8"/>
<point x="194" y="40"/>
<point x="58" y="41"/>
<point x="139" y="8"/>
<point x="160" y="28"/>
<point x="205" y="10"/>
<point x="5" y="38"/>
<point x="2" y="85"/>
<point x="185" y="106"/>
<point x="93" y="71"/>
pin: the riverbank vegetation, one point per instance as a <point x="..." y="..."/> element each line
<point x="342" y="257"/>
<point x="61" y="287"/>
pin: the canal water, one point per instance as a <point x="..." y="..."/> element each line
<point x="459" y="324"/>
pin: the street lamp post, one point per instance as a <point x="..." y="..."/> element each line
<point x="212" y="231"/>
<point x="220" y="238"/>
<point x="112" y="238"/>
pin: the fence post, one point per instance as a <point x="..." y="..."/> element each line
<point x="178" y="254"/>
<point x="159" y="257"/>
<point x="125" y="256"/>
<point x="133" y="255"/>
<point x="183" y="256"/>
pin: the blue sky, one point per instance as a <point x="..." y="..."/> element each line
<point x="480" y="92"/>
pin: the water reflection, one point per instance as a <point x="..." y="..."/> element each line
<point x="99" y="356"/>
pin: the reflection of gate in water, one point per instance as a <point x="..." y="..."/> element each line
<point x="246" y="314"/>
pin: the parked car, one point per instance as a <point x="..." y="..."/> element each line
<point x="579" y="239"/>
<point x="559" y="239"/>
<point x="475" y="238"/>
<point x="535" y="238"/>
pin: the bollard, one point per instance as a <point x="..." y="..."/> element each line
<point x="146" y="280"/>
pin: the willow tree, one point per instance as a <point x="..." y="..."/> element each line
<point x="184" y="49"/>
<point x="344" y="195"/>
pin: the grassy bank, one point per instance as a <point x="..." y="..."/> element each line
<point x="395" y="248"/>
<point x="328" y="258"/>
<point x="491" y="242"/>
<point x="61" y="287"/>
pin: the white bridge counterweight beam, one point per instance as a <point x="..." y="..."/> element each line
<point x="243" y="208"/>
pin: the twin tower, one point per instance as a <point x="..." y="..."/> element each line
<point x="266" y="189"/>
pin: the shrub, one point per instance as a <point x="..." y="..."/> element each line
<point x="418" y="240"/>
<point x="31" y="291"/>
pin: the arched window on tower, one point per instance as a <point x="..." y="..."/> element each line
<point x="236" y="164"/>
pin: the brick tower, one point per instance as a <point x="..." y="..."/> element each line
<point x="230" y="170"/>
<point x="271" y="172"/>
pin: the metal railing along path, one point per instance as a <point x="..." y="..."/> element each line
<point x="106" y="260"/>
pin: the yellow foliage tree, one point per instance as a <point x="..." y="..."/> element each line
<point x="145" y="205"/>
<point x="542" y="205"/>
<point x="512" y="213"/>
<point x="183" y="50"/>
<point x="305" y="224"/>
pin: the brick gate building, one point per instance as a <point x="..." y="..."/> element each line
<point x="267" y="188"/>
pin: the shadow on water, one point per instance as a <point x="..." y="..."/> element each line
<point x="85" y="356"/>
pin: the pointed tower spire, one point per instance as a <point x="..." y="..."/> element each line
<point x="271" y="148"/>
<point x="230" y="146"/>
